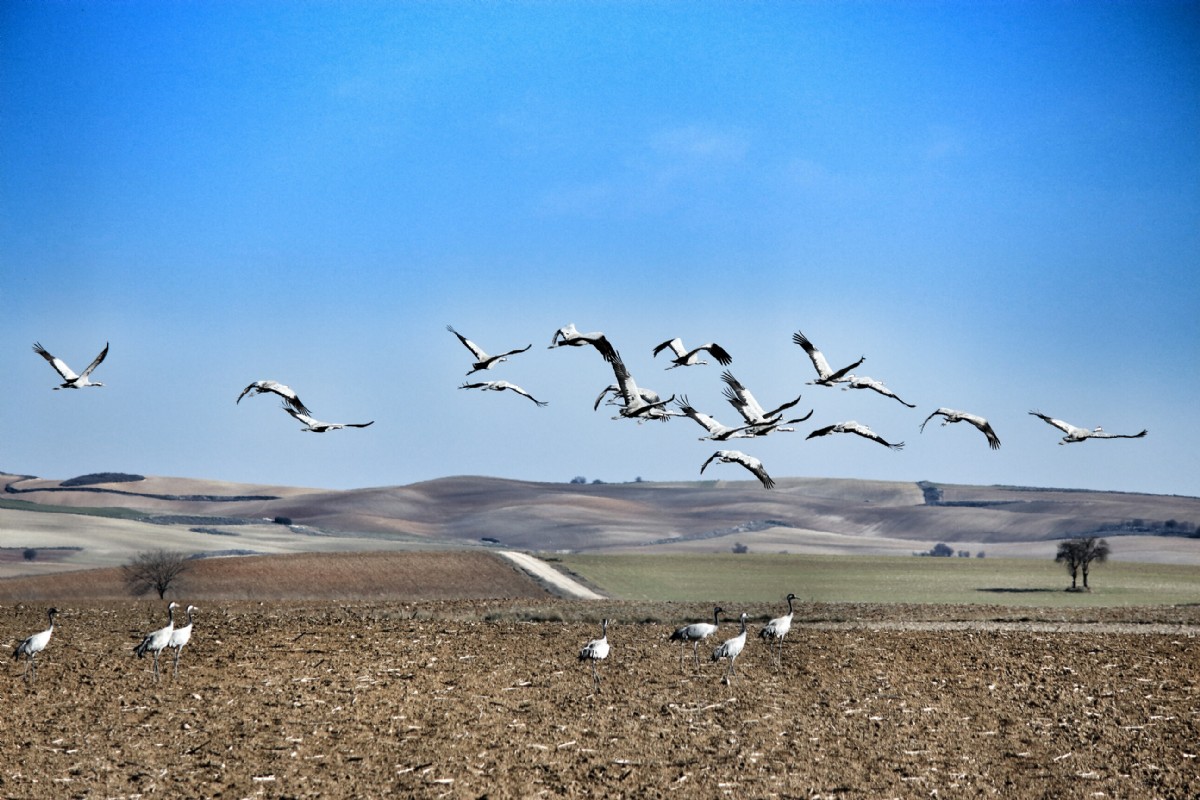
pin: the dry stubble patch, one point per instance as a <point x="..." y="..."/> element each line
<point x="411" y="700"/>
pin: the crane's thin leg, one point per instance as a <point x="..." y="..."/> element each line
<point x="696" y="653"/>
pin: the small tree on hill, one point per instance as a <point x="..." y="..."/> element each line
<point x="154" y="569"/>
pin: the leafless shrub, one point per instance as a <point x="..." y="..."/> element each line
<point x="154" y="570"/>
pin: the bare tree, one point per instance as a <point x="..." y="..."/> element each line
<point x="154" y="569"/>
<point x="1068" y="553"/>
<point x="1092" y="549"/>
<point x="1078" y="555"/>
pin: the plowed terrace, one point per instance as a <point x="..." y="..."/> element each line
<point x="477" y="699"/>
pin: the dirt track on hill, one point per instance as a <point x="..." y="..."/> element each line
<point x="465" y="700"/>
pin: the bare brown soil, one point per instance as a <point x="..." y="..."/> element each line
<point x="450" y="575"/>
<point x="464" y="699"/>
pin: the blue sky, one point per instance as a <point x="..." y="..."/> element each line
<point x="998" y="204"/>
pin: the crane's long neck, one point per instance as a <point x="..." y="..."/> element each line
<point x="790" y="599"/>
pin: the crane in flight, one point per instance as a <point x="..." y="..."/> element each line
<point x="745" y="403"/>
<point x="500" y="386"/>
<point x="691" y="358"/>
<point x="962" y="416"/>
<point x="482" y="359"/>
<point x="317" y="426"/>
<point x="857" y="428"/>
<point x="853" y="381"/>
<point x="1080" y="434"/>
<point x="826" y="375"/>
<point x="656" y="412"/>
<point x="569" y="336"/>
<point x="634" y="405"/>
<point x="749" y="462"/>
<point x="275" y="387"/>
<point x="70" y="379"/>
<point x="717" y="432"/>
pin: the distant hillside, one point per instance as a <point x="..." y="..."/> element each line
<point x="470" y="510"/>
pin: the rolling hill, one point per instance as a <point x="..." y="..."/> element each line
<point x="109" y="516"/>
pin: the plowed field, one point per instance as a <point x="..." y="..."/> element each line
<point x="431" y="700"/>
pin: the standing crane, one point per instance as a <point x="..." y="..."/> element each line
<point x="962" y="416"/>
<point x="596" y="650"/>
<point x="826" y="376"/>
<point x="34" y="645"/>
<point x="70" y="379"/>
<point x="730" y="649"/>
<point x="1080" y="434"/>
<point x="691" y="358"/>
<point x="180" y="637"/>
<point x="778" y="628"/>
<point x="482" y="359"/>
<point x="696" y="633"/>
<point x="157" y="641"/>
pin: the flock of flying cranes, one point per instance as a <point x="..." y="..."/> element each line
<point x="641" y="404"/>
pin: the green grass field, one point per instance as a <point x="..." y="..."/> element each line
<point x="880" y="579"/>
<point x="87" y="511"/>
